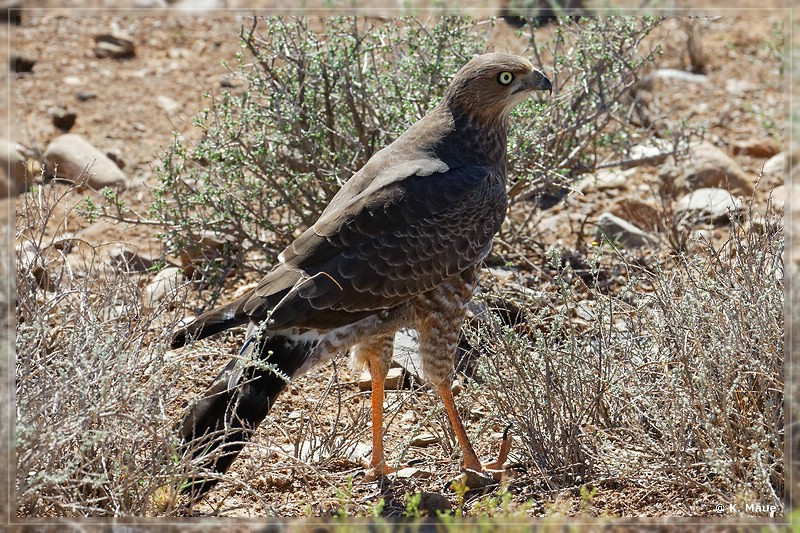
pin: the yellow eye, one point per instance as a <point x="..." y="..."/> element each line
<point x="504" y="78"/>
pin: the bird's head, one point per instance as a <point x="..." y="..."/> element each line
<point x="491" y="85"/>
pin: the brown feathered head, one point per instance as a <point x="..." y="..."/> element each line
<point x="490" y="85"/>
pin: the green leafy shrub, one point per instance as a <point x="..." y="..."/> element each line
<point x="319" y="101"/>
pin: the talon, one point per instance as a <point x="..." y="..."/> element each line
<point x="505" y="449"/>
<point x="488" y="473"/>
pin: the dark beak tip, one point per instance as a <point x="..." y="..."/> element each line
<point x="547" y="85"/>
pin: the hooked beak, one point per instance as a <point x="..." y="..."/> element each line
<point x="540" y="82"/>
<point x="536" y="81"/>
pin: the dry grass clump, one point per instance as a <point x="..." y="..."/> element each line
<point x="93" y="380"/>
<point x="674" y="382"/>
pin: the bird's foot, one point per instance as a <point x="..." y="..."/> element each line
<point x="488" y="473"/>
<point x="374" y="471"/>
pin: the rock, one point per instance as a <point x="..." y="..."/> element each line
<point x="207" y="247"/>
<point x="706" y="166"/>
<point x="637" y="212"/>
<point x="778" y="198"/>
<point x="617" y="230"/>
<point x="755" y="148"/>
<point x="394" y="380"/>
<point x="434" y="504"/>
<point x="167" y="104"/>
<point x="116" y="156"/>
<point x="231" y="81"/>
<point x="708" y="204"/>
<point x="358" y="452"/>
<point x="163" y="286"/>
<point x="79" y="161"/>
<point x="654" y="152"/>
<point x="63" y="118"/>
<point x="605" y="179"/>
<point x="775" y="167"/>
<point x="13" y="162"/>
<point x="412" y="473"/>
<point x="32" y="262"/>
<point x="131" y="261"/>
<point x="423" y="440"/>
<point x="740" y="87"/>
<point x="116" y="45"/>
<point x="674" y="76"/>
<point x="64" y="242"/>
<point x="406" y="353"/>
<point x="85" y="96"/>
<point x="21" y="64"/>
<point x="409" y="417"/>
<point x="585" y="311"/>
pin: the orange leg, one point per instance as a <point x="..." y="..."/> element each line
<point x="377" y="467"/>
<point x="471" y="461"/>
<point x="470" y="458"/>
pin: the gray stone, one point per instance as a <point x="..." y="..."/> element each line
<point x="708" y="166"/>
<point x="412" y="473"/>
<point x="406" y="353"/>
<point x="167" y="104"/>
<point x="63" y="118"/>
<point x="85" y="96"/>
<point x="423" y="440"/>
<point x="206" y="247"/>
<point x="131" y="261"/>
<point x="778" y="198"/>
<point x="655" y="152"/>
<point x="394" y="380"/>
<point x="77" y="160"/>
<point x="674" y="76"/>
<point x="13" y="162"/>
<point x="434" y="504"/>
<point x="775" y="167"/>
<point x="617" y="230"/>
<point x="163" y="286"/>
<point x="116" y="156"/>
<point x="605" y="179"/>
<point x="740" y="87"/>
<point x="116" y="45"/>
<point x="358" y="452"/>
<point x="708" y="204"/>
<point x="22" y="64"/>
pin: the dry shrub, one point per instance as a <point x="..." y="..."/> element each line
<point x="676" y="379"/>
<point x="93" y="380"/>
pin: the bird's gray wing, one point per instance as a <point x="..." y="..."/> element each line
<point x="383" y="247"/>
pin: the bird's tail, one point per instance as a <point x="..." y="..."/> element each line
<point x="219" y="319"/>
<point x="216" y="427"/>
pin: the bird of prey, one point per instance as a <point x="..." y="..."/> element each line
<point x="400" y="245"/>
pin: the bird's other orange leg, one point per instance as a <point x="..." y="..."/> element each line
<point x="471" y="462"/>
<point x="378" y="363"/>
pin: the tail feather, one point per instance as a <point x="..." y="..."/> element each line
<point x="211" y="322"/>
<point x="216" y="428"/>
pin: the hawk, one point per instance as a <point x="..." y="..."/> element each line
<point x="400" y="245"/>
